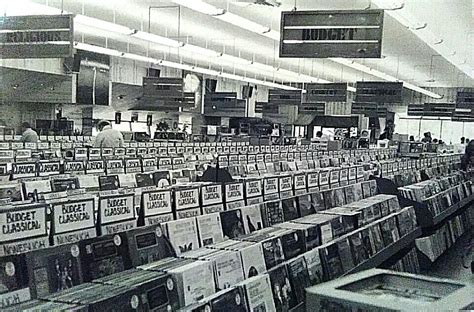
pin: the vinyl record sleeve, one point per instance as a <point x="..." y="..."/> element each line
<point x="209" y="229"/>
<point x="305" y="205"/>
<point x="314" y="265"/>
<point x="299" y="278"/>
<point x="283" y="293"/>
<point x="148" y="244"/>
<point x="232" y="223"/>
<point x="290" y="209"/>
<point x="258" y="292"/>
<point x="183" y="235"/>
<point x="105" y="255"/>
<point x="253" y="262"/>
<point x="252" y="218"/>
<point x="54" y="269"/>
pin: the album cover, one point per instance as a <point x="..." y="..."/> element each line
<point x="144" y="179"/>
<point x="227" y="268"/>
<point x="349" y="192"/>
<point x="33" y="188"/>
<point x="272" y="213"/>
<point x="231" y="299"/>
<point x="64" y="184"/>
<point x="290" y="209"/>
<point x="148" y="244"/>
<point x="53" y="269"/>
<point x="127" y="180"/>
<point x="389" y="230"/>
<point x="349" y="217"/>
<point x="258" y="291"/>
<point x="162" y="179"/>
<point x="183" y="235"/>
<point x="305" y="205"/>
<point x="253" y="262"/>
<point x="299" y="278"/>
<point x="366" y="242"/>
<point x="318" y="201"/>
<point x="359" y="251"/>
<point x="12" y="191"/>
<point x="13" y="280"/>
<point x="376" y="239"/>
<point x="331" y="260"/>
<point x="108" y="183"/>
<point x="232" y="223"/>
<point x="314" y="266"/>
<point x="366" y="192"/>
<point x="104" y="255"/>
<point x="310" y="233"/>
<point x="273" y="252"/>
<point x="194" y="281"/>
<point x="373" y="187"/>
<point x="252" y="218"/>
<point x="339" y="197"/>
<point x="358" y="192"/>
<point x="292" y="241"/>
<point x="209" y="229"/>
<point x="89" y="182"/>
<point x="283" y="293"/>
<point x="329" y="198"/>
<point x="345" y="254"/>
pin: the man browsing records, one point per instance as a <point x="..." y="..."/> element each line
<point x="29" y="135"/>
<point x="108" y="137"/>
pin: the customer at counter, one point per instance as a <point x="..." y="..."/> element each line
<point x="108" y="137"/>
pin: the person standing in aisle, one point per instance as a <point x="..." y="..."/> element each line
<point x="461" y="148"/>
<point x="29" y="135"/>
<point x="427" y="137"/>
<point x="108" y="137"/>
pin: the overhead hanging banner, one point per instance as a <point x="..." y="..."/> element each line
<point x="322" y="34"/>
<point x="284" y="97"/>
<point x="379" y="92"/>
<point x="465" y="99"/>
<point x="431" y="109"/>
<point x="36" y="36"/>
<point x="163" y="88"/>
<point x="224" y="104"/>
<point x="325" y="92"/>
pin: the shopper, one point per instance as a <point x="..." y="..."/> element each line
<point x="412" y="138"/>
<point x="108" y="137"/>
<point x="29" y="135"/>
<point x="426" y="137"/>
<point x="467" y="161"/>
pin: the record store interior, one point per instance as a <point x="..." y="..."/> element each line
<point x="236" y="155"/>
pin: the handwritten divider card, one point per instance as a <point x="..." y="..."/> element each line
<point x="95" y="153"/>
<point x="116" y="213"/>
<point x="253" y="191"/>
<point x="149" y="164"/>
<point x="157" y="207"/>
<point x="24" y="228"/>
<point x="186" y="202"/>
<point x="74" y="167"/>
<point x="95" y="167"/>
<point x="24" y="170"/>
<point x="270" y="188"/>
<point x="73" y="220"/>
<point x="165" y="163"/>
<point x="212" y="198"/>
<point x="133" y="165"/>
<point x="286" y="186"/>
<point x="234" y="193"/>
<point x="48" y="168"/>
<point x="300" y="184"/>
<point x="114" y="166"/>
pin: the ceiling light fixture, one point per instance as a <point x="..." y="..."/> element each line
<point x="157" y="39"/>
<point x="384" y="76"/>
<point x="205" y="71"/>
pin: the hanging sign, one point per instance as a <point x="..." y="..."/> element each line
<point x="322" y="34"/>
<point x="36" y="36"/>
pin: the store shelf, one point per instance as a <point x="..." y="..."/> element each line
<point x="387" y="252"/>
<point x="427" y="220"/>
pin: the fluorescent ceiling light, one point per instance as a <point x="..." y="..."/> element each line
<point x="384" y="76"/>
<point x="97" y="23"/>
<point x="157" y="39"/>
<point x="227" y="58"/>
<point x="200" y="6"/>
<point x="198" y="50"/>
<point x="242" y="22"/>
<point x="136" y="57"/>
